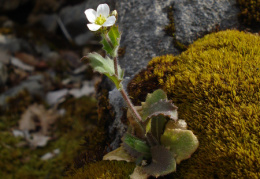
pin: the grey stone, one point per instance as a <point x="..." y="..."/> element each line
<point x="195" y="18"/>
<point x="7" y="5"/>
<point x="32" y="84"/>
<point x="13" y="45"/>
<point x="3" y="74"/>
<point x="55" y="97"/>
<point x="142" y="25"/>
<point x="17" y="63"/>
<point x="49" y="22"/>
<point x="117" y="127"/>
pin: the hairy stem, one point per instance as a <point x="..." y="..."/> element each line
<point x="135" y="114"/>
<point x="115" y="66"/>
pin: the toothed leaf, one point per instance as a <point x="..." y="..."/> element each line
<point x="107" y="46"/>
<point x="136" y="147"/>
<point x="161" y="107"/>
<point x="119" y="154"/>
<point x="162" y="164"/>
<point x="114" y="35"/>
<point x="111" y="41"/>
<point x="154" y="97"/>
<point x="181" y="142"/>
<point x="106" y="67"/>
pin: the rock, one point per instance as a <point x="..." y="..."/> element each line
<point x="87" y="89"/>
<point x="7" y="5"/>
<point x="49" y="22"/>
<point x="193" y="19"/>
<point x="5" y="56"/>
<point x="17" y="63"/>
<point x="142" y="25"/>
<point x="54" y="97"/>
<point x="13" y="45"/>
<point x="50" y="155"/>
<point x="3" y="74"/>
<point x="33" y="84"/>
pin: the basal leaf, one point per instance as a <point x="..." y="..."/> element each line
<point x="162" y="163"/>
<point x="138" y="174"/>
<point x="163" y="106"/>
<point x="106" y="67"/>
<point x="180" y="124"/>
<point x="154" y="97"/>
<point x="157" y="125"/>
<point x="136" y="147"/>
<point x="119" y="154"/>
<point x="181" y="142"/>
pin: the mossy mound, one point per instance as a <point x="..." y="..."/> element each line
<point x="216" y="86"/>
<point x="250" y="11"/>
<point x="105" y="170"/>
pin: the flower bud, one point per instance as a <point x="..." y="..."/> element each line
<point x="114" y="13"/>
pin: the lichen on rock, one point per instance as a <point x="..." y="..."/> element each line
<point x="216" y="86"/>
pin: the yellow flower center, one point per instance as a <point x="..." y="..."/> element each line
<point x="100" y="20"/>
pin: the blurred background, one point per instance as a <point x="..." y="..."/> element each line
<point x="47" y="105"/>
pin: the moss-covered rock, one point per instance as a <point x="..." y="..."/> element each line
<point x="250" y="11"/>
<point x="105" y="170"/>
<point x="216" y="86"/>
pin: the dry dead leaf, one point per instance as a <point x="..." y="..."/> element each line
<point x="38" y="121"/>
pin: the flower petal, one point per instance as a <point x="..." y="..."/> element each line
<point x="103" y="9"/>
<point x="110" y="21"/>
<point x="91" y="15"/>
<point x="93" y="27"/>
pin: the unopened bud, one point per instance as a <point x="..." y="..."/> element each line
<point x="114" y="13"/>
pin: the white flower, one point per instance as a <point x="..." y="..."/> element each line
<point x="100" y="17"/>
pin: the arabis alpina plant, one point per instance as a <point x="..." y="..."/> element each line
<point x="100" y="18"/>
<point x="156" y="140"/>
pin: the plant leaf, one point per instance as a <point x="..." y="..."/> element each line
<point x="135" y="146"/>
<point x="106" y="67"/>
<point x="163" y="162"/>
<point x="107" y="46"/>
<point x="119" y="154"/>
<point x="111" y="41"/>
<point x="161" y="107"/>
<point x="114" y="35"/>
<point x="154" y="97"/>
<point x="181" y="142"/>
<point x="180" y="124"/>
<point x="157" y="125"/>
<point x="156" y="103"/>
<point x="138" y="174"/>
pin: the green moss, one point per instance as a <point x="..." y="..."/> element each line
<point x="105" y="170"/>
<point x="170" y="30"/>
<point x="216" y="86"/>
<point x="250" y="12"/>
<point x="79" y="121"/>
